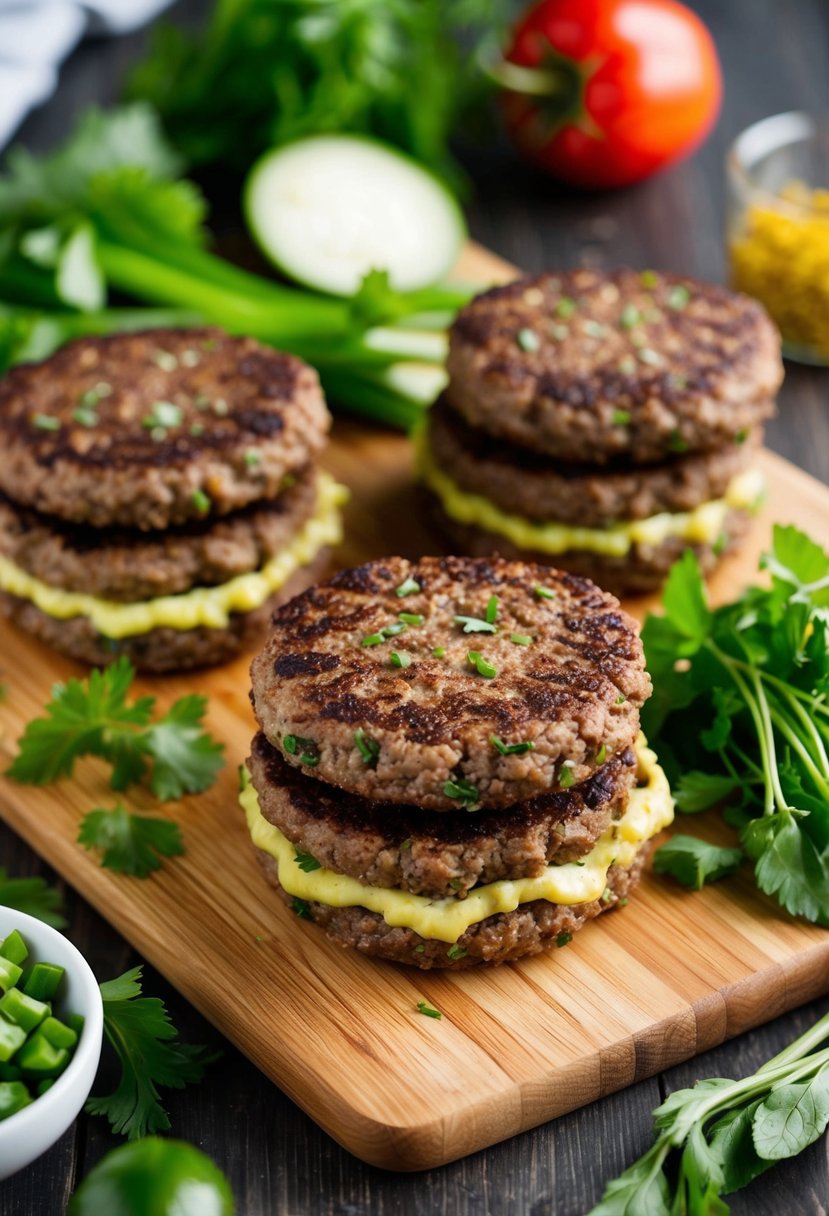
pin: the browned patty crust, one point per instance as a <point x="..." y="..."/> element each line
<point x="438" y="855"/>
<point x="129" y="566"/>
<point x="522" y="482"/>
<point x="642" y="570"/>
<point x="502" y="938"/>
<point x="163" y="649"/>
<point x="144" y="430"/>
<point x="326" y="681"/>
<point x="554" y="363"/>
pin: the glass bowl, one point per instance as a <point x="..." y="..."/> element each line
<point x="778" y="227"/>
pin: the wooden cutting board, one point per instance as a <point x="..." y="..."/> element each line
<point x="641" y="989"/>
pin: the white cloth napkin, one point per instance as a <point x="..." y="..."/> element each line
<point x="37" y="35"/>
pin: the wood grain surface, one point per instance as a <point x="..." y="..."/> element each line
<point x="641" y="989"/>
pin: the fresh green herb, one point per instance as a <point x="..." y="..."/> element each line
<point x="544" y="593"/>
<point x="383" y="635"/>
<point x="422" y="1007"/>
<point x="481" y="665"/>
<point x="400" y="658"/>
<point x="368" y="748"/>
<point x="301" y="908"/>
<point x="718" y="1136"/>
<point x="130" y="844"/>
<point x="491" y="609"/>
<point x="528" y="340"/>
<point x="564" y="939"/>
<point x="84" y="416"/>
<point x="594" y="329"/>
<point x="373" y="639"/>
<point x="456" y="952"/>
<point x="406" y="844"/>
<point x="473" y="624"/>
<point x="741" y="696"/>
<point x="741" y="436"/>
<point x="630" y="316"/>
<point x="694" y="862"/>
<point x="649" y="278"/>
<point x="621" y="417"/>
<point x="439" y="652"/>
<point x="201" y="502"/>
<point x="163" y="414"/>
<point x="151" y="1057"/>
<point x="678" y="297"/>
<point x="409" y="586"/>
<point x="93" y="718"/>
<point x="253" y="458"/>
<point x="606" y="895"/>
<point x="627" y="365"/>
<point x="566" y="778"/>
<point x="601" y="754"/>
<point x="511" y="749"/>
<point x="521" y="639"/>
<point x="93" y="395"/>
<point x="620" y="700"/>
<point x="565" y="307"/>
<point x="651" y="357"/>
<point x="306" y="862"/>
<point x="463" y="791"/>
<point x="165" y="360"/>
<point x="34" y="897"/>
<point x="305" y="750"/>
<point x="676" y="442"/>
<point x="410" y="618"/>
<point x="45" y="422"/>
<point x="559" y="332"/>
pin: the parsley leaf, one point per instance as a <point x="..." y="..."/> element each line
<point x="34" y="897"/>
<point x="694" y="862"/>
<point x="131" y="844"/>
<point x="93" y="718"/>
<point x="151" y="1056"/>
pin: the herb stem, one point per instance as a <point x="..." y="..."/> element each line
<point x="800" y="1047"/>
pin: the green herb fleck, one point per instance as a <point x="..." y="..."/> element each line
<point x="439" y="652"/>
<point x="406" y="844"/>
<point x="306" y="862"/>
<point x="630" y="316"/>
<point x="678" y="297"/>
<point x="651" y="357"/>
<point x="421" y="1006"/>
<point x="421" y="949"/>
<point x="85" y="416"/>
<point x="521" y="639"/>
<point x="93" y="395"/>
<point x="383" y="635"/>
<point x="601" y="754"/>
<point x="410" y="618"/>
<point x="409" y="586"/>
<point x="566" y="778"/>
<point x="455" y="884"/>
<point x="621" y="417"/>
<point x="301" y="908"/>
<point x="368" y="748"/>
<point x="165" y="360"/>
<point x="649" y="278"/>
<point x="528" y="340"/>
<point x="400" y="658"/>
<point x="564" y="939"/>
<point x="594" y="329"/>
<point x="620" y="700"/>
<point x="741" y="436"/>
<point x="45" y="422"/>
<point x="565" y="307"/>
<point x="482" y="666"/>
<point x="455" y="952"/>
<point x="461" y="790"/>
<point x="544" y="593"/>
<point x="164" y="413"/>
<point x="304" y="749"/>
<point x="252" y="457"/>
<point x="511" y="749"/>
<point x="676" y="443"/>
<point x="200" y="501"/>
<point x="491" y="610"/>
<point x="201" y="402"/>
<point x="474" y="624"/>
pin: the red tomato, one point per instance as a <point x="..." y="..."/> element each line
<point x="611" y="90"/>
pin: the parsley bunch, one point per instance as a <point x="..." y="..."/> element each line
<point x="740" y="715"/>
<point x="34" y="897"/>
<point x="720" y="1135"/>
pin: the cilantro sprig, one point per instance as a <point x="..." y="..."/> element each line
<point x="720" y="1135"/>
<point x="740" y="712"/>
<point x="130" y="844"/>
<point x="94" y="717"/>
<point x="151" y="1057"/>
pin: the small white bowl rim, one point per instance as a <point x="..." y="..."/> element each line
<point x="89" y="1044"/>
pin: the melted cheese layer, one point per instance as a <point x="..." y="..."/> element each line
<point x="208" y="606"/>
<point x="650" y="809"/>
<point x="703" y="525"/>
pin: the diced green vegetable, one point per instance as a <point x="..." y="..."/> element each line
<point x="14" y="948"/>
<point x="13" y="1097"/>
<point x="10" y="973"/>
<point x="58" y="1033"/>
<point x="38" y="1057"/>
<point x="43" y="980"/>
<point x="24" y="1011"/>
<point x="12" y="1039"/>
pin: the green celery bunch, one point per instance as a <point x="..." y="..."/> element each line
<point x="740" y="715"/>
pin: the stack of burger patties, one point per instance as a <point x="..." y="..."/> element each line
<point x="604" y="422"/>
<point x="159" y="495"/>
<point x="448" y="769"/>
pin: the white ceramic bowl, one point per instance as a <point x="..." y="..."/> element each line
<point x="26" y="1135"/>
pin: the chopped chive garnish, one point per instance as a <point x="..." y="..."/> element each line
<point x="676" y="443"/>
<point x="606" y="895"/>
<point x="474" y="624"/>
<point x="559" y="332"/>
<point x="400" y="658"/>
<point x="627" y="365"/>
<point x="84" y="415"/>
<point x="544" y="593"/>
<point x="464" y="791"/>
<point x="720" y="544"/>
<point x="45" y="422"/>
<point x="406" y="844"/>
<point x="373" y="639"/>
<point x="287" y="481"/>
<point x="620" y="700"/>
<point x="651" y="357"/>
<point x="164" y="413"/>
<point x="564" y="939"/>
<point x="301" y="908"/>
<point x="741" y="436"/>
<point x="158" y="434"/>
<point x="200" y="501"/>
<point x="630" y="316"/>
<point x="649" y="278"/>
<point x="383" y="635"/>
<point x="594" y="329"/>
<point x="528" y="340"/>
<point x="305" y="749"/>
<point x="678" y="297"/>
<point x="421" y="949"/>
<point x="165" y="360"/>
<point x="220" y="407"/>
<point x="409" y="586"/>
<point x="601" y="754"/>
<point x="455" y="884"/>
<point x="252" y="457"/>
<point x="621" y="417"/>
<point x="201" y="402"/>
<point x="482" y="666"/>
<point x="521" y="639"/>
<point x="93" y="395"/>
<point x="455" y="952"/>
<point x="368" y="748"/>
<point x="306" y="862"/>
<point x="491" y="610"/>
<point x="197" y="429"/>
<point x="622" y="903"/>
<point x="565" y="307"/>
<point x="190" y="358"/>
<point x="439" y="652"/>
<point x="566" y="778"/>
<point x="421" y="1006"/>
<point x="409" y="618"/>
<point x="511" y="749"/>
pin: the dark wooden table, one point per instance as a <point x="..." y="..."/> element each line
<point x="775" y="58"/>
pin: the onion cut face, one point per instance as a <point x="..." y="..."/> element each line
<point x="327" y="210"/>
